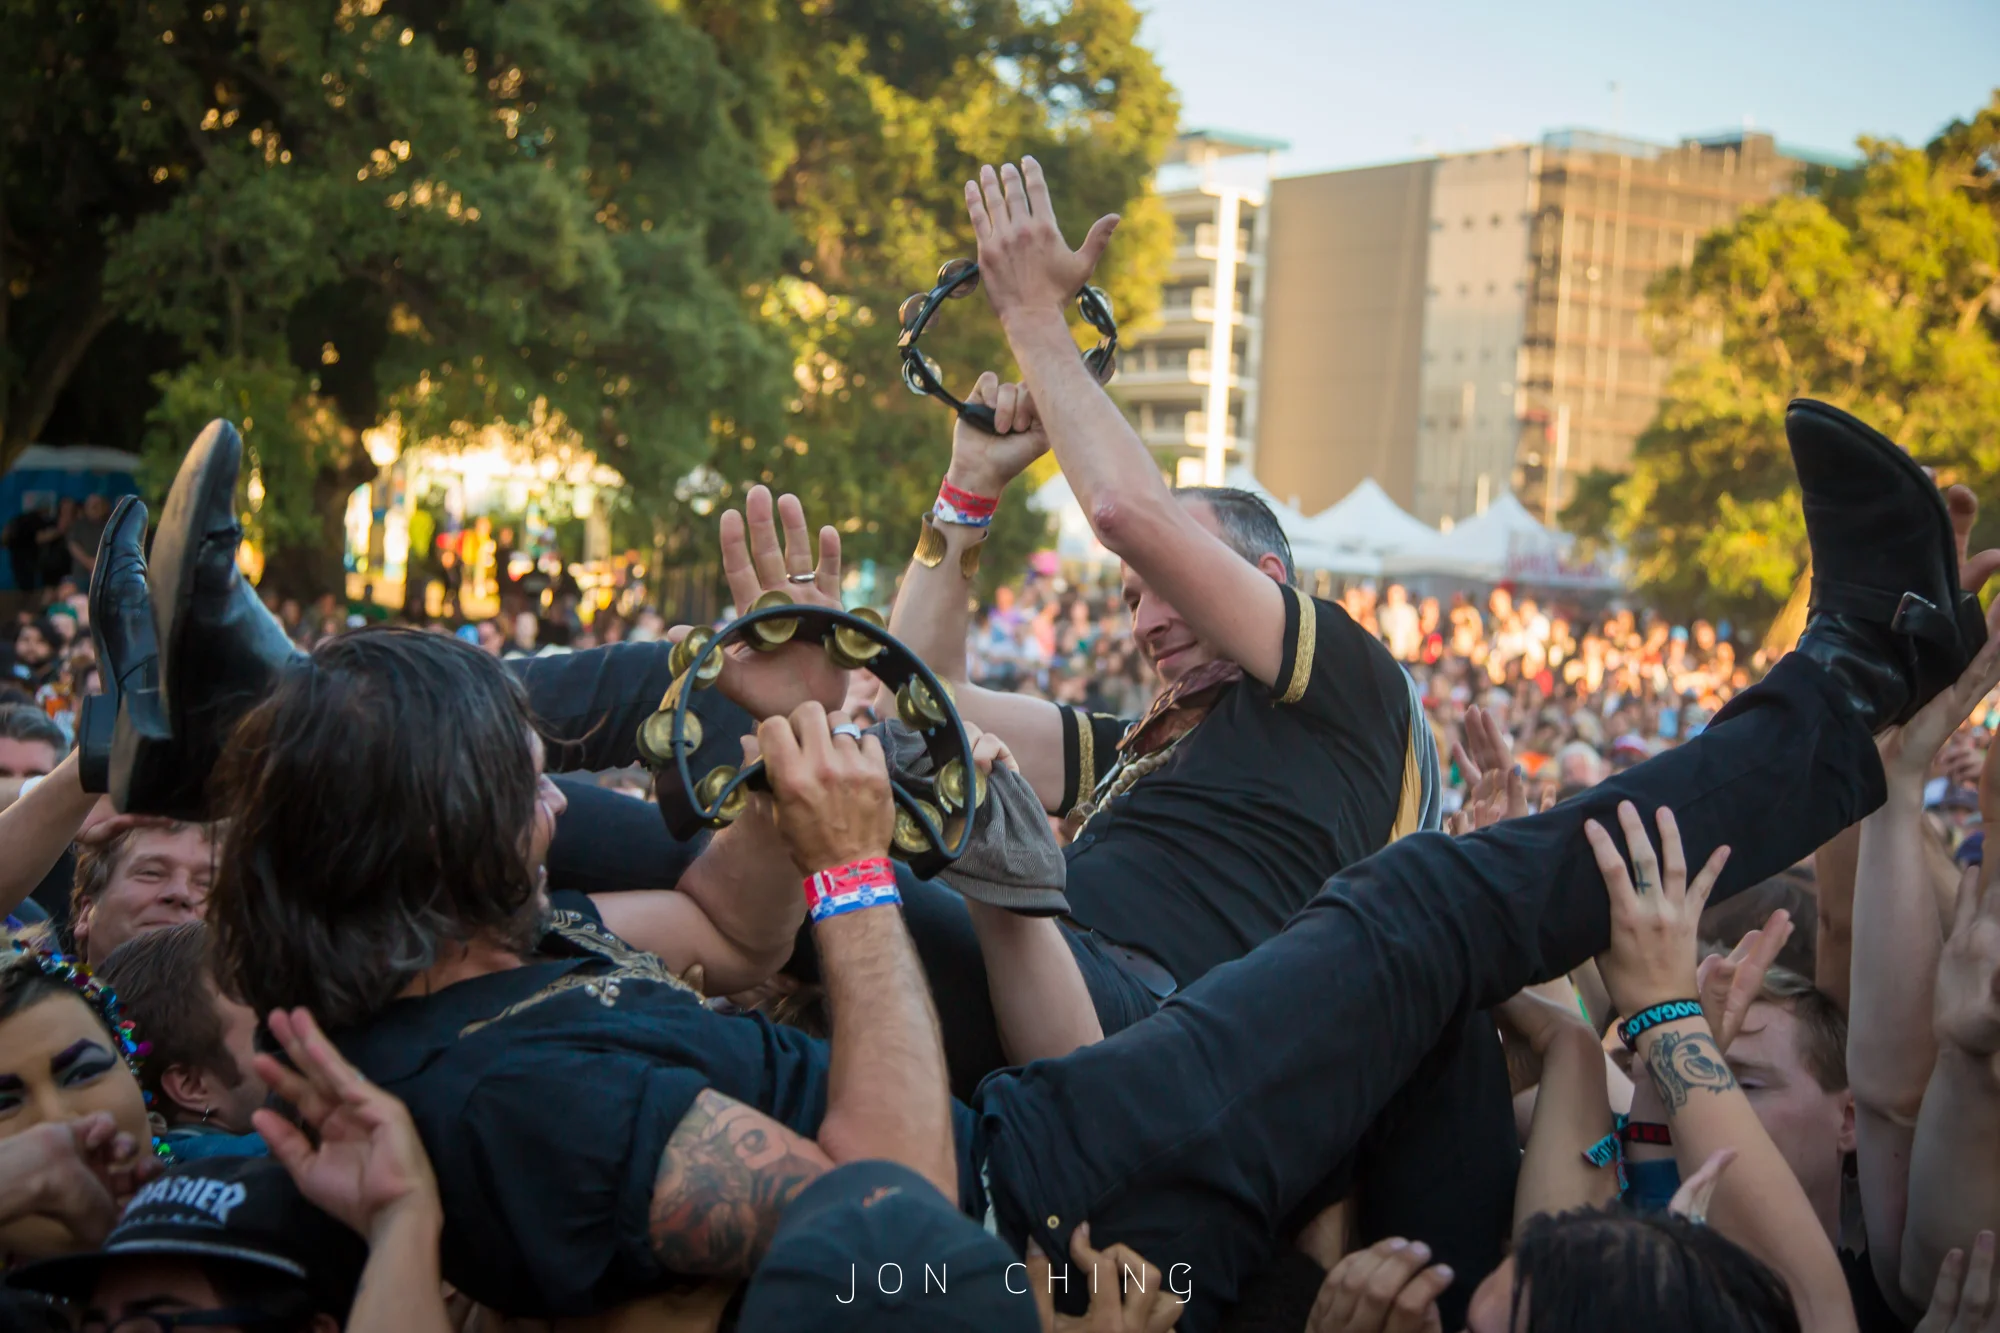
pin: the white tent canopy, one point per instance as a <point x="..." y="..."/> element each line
<point x="1505" y="542"/>
<point x="1368" y="522"/>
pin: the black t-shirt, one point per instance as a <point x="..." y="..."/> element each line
<point x="1274" y="792"/>
<point x="546" y="1095"/>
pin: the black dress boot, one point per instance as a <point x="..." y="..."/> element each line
<point x="220" y="649"/>
<point x="126" y="714"/>
<point x="1889" y="621"/>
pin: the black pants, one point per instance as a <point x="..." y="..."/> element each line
<point x="1194" y="1134"/>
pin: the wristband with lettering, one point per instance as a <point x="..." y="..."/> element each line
<point x="1653" y="1015"/>
<point x="963" y="507"/>
<point x="852" y="887"/>
<point x="1645" y="1131"/>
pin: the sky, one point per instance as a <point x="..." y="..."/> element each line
<point x="1360" y="81"/>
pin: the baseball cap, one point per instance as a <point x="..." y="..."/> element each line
<point x="239" y="1210"/>
<point x="874" y="1246"/>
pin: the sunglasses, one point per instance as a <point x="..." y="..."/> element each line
<point x="958" y="279"/>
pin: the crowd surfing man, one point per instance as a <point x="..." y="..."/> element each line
<point x="599" y="1133"/>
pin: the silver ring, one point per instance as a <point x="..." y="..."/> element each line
<point x="802" y="579"/>
<point x="849" y="730"/>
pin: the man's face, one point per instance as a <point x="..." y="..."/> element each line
<point x="161" y="880"/>
<point x="1812" y="1127"/>
<point x="239" y="1032"/>
<point x="31" y="647"/>
<point x="549" y="805"/>
<point x="27" y="759"/>
<point x="1167" y="640"/>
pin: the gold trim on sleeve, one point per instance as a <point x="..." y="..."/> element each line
<point x="1410" y="806"/>
<point x="1086" y="757"/>
<point x="1302" y="660"/>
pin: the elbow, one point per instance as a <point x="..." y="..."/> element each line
<point x="1896" y="1101"/>
<point x="1124" y="523"/>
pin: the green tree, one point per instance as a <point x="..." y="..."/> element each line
<point x="884" y="109"/>
<point x="458" y="213"/>
<point x="1880" y="293"/>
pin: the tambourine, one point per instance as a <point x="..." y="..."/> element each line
<point x="960" y="278"/>
<point x="934" y="815"/>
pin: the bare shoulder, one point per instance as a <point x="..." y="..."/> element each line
<point x="727" y="1175"/>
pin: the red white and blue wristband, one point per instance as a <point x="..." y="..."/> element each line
<point x="1654" y="1015"/>
<point x="851" y="888"/>
<point x="963" y="507"/>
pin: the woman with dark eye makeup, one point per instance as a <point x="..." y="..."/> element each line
<point x="65" y="1056"/>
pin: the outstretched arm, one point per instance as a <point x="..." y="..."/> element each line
<point x="1897" y="938"/>
<point x="1761" y="1205"/>
<point x="735" y="913"/>
<point x="933" y="608"/>
<point x="1954" y="1187"/>
<point x="35" y="829"/>
<point x="1031" y="275"/>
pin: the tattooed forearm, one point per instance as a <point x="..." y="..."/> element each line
<point x="727" y="1175"/>
<point x="1681" y="1063"/>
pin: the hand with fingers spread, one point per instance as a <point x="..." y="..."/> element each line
<point x="1908" y="751"/>
<point x="368" y="1167"/>
<point x="1967" y="1003"/>
<point x="1963" y="1301"/>
<point x="1729" y="984"/>
<point x="984" y="463"/>
<point x="1655" y="911"/>
<point x="1390" y="1287"/>
<point x="1128" y="1295"/>
<point x="1485" y="749"/>
<point x="755" y="561"/>
<point x="1024" y="263"/>
<point x="832" y="791"/>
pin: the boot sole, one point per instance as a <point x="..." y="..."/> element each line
<point x="207" y="477"/>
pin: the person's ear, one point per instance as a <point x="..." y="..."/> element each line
<point x="191" y="1089"/>
<point x="1273" y="567"/>
<point x="1846" y="1123"/>
<point x="79" y="929"/>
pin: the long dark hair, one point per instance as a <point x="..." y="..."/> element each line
<point x="1641" y="1273"/>
<point x="379" y="805"/>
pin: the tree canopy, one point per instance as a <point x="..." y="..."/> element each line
<point x="1879" y="292"/>
<point x="679" y="230"/>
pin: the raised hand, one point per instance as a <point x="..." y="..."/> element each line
<point x="1390" y="1287"/>
<point x="1963" y="1299"/>
<point x="1729" y="985"/>
<point x="369" y="1167"/>
<point x="1655" y="912"/>
<point x="1024" y="263"/>
<point x="831" y="791"/>
<point x="754" y="561"/>
<point x="1485" y="749"/>
<point x="1140" y="1303"/>
<point x="1966" y="1010"/>
<point x="984" y="463"/>
<point x="1973" y="570"/>
<point x="1907" y="751"/>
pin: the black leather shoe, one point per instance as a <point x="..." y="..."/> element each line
<point x="220" y="649"/>
<point x="1888" y="620"/>
<point x="121" y="626"/>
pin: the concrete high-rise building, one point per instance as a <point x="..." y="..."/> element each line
<point x="1190" y="382"/>
<point x="1470" y="324"/>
